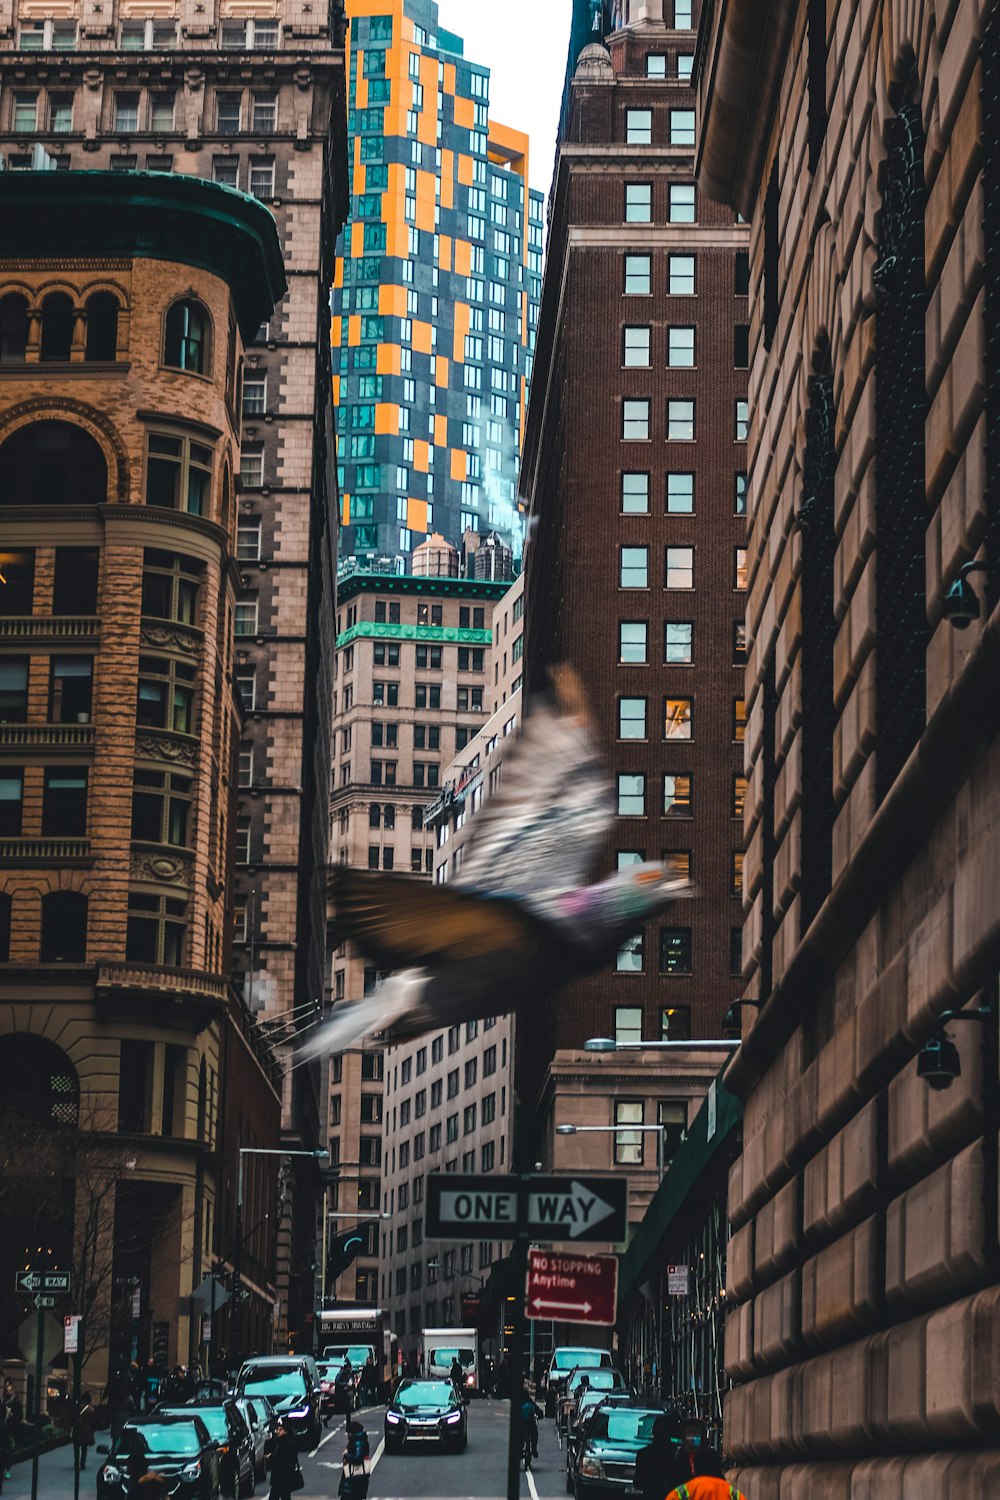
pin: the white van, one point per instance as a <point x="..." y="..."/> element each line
<point x="440" y="1347"/>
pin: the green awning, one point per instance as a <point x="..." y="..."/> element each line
<point x="686" y="1170"/>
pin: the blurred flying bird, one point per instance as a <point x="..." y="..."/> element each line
<point x="518" y="920"/>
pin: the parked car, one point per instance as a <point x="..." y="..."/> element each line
<point x="426" y="1411"/>
<point x="287" y="1380"/>
<point x="258" y="1414"/>
<point x="178" y="1447"/>
<point x="228" y="1428"/>
<point x="603" y="1465"/>
<point x="563" y="1362"/>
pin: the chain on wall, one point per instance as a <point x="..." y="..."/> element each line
<point x="819" y="546"/>
<point x="900" y="414"/>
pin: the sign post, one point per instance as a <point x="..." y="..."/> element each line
<point x="572" y="1288"/>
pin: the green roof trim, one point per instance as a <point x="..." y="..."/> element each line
<point x="150" y="216"/>
<point x="683" y="1175"/>
<point x="379" y="630"/>
<point x="359" y="582"/>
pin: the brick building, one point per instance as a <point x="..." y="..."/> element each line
<point x="634" y="478"/>
<point x="120" y="366"/>
<point x="437" y="291"/>
<point x="412" y="689"/>
<point x="251" y="96"/>
<point x="861" y="143"/>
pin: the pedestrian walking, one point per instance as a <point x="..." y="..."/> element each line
<point x="6" y="1446"/>
<point x="286" y="1476"/>
<point x="83" y="1432"/>
<point x="709" y="1481"/>
<point x="662" y="1464"/>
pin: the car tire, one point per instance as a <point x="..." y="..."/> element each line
<point x="248" y="1486"/>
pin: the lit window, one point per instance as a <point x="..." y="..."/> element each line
<point x="737" y="873"/>
<point x="676" y="795"/>
<point x="677" y="718"/>
<point x="739" y="720"/>
<point x="680" y="568"/>
<point x="739" y="795"/>
<point x="675" y="950"/>
<point x="740" y="567"/>
<point x="677" y="863"/>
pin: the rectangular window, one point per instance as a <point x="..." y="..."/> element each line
<point x="263" y="113"/>
<point x="126" y="115"/>
<point x="639" y="127"/>
<point x="739" y="720"/>
<point x="680" y="346"/>
<point x="741" y="346"/>
<point x="632" y="646"/>
<point x="679" y="568"/>
<point x="635" y="494"/>
<point x="635" y="350"/>
<point x="631" y="795"/>
<point x="739" y="567"/>
<point x="261" y="179"/>
<point x="161" y="112"/>
<point x="739" y="643"/>
<point x="678" y="648"/>
<point x="740" y="494"/>
<point x="631" y="718"/>
<point x="639" y="203"/>
<point x="11" y="800"/>
<point x="742" y="421"/>
<point x="682" y="127"/>
<point x="14" y="689"/>
<point x="675" y="1023"/>
<point x="629" y="958"/>
<point x="677" y="714"/>
<point x="741" y="274"/>
<point x="676" y="794"/>
<point x="680" y="493"/>
<point x="736" y="951"/>
<point x="60" y="113"/>
<point x="71" y="689"/>
<point x="681" y="201"/>
<point x="628" y="1143"/>
<point x="656" y="65"/>
<point x="633" y="568"/>
<point x="228" y="111"/>
<point x="675" y="950"/>
<point x="64" y="802"/>
<point x="628" y="1023"/>
<point x="637" y="276"/>
<point x="739" y="795"/>
<point x="736" y="883"/>
<point x="680" y="275"/>
<point x="680" y="421"/>
<point x="635" y="420"/>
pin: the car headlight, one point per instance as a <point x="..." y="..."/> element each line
<point x="455" y="1416"/>
<point x="192" y="1471"/>
<point x="390" y="1416"/>
<point x="590" y="1468"/>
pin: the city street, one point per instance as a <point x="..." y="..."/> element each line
<point x="477" y="1474"/>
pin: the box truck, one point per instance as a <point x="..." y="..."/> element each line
<point x="440" y="1347"/>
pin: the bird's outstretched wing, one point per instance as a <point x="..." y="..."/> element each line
<point x="402" y="924"/>
<point x="542" y="830"/>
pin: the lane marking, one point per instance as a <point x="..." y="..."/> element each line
<point x="531" y="1485"/>
<point x="376" y="1456"/>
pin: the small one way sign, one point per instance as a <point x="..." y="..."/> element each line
<point x="583" y="1209"/>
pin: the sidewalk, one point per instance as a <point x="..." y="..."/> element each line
<point x="55" y="1475"/>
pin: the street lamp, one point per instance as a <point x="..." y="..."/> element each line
<point x="697" y="1044"/>
<point x="358" y="1218"/>
<point x="619" y="1130"/>
<point x="235" y="1327"/>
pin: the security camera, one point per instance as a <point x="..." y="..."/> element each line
<point x="960" y="605"/>
<point x="938" y="1062"/>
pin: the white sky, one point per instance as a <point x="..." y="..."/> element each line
<point x="524" y="44"/>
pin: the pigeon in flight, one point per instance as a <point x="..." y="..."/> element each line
<point x="519" y="919"/>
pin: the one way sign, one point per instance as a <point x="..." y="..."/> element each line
<point x="583" y="1209"/>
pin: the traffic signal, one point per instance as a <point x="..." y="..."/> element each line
<point x="344" y="1249"/>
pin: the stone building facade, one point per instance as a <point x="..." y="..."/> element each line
<point x="634" y="478"/>
<point x="861" y="143"/>
<point x="412" y="689"/>
<point x="250" y="95"/>
<point x="120" y="365"/>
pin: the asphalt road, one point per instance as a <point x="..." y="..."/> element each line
<point x="480" y="1473"/>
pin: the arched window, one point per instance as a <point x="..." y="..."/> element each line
<point x="52" y="463"/>
<point x="38" y="1083"/>
<point x="186" y="345"/>
<point x="102" y="326"/>
<point x="13" y="328"/>
<point x="57" y="326"/>
<point x="227" y="499"/>
<point x="64" y="927"/>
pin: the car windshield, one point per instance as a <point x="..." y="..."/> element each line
<point x="568" y="1359"/>
<point x="425" y="1393"/>
<point x="172" y="1437"/>
<point x="599" y="1380"/>
<point x="448" y="1354"/>
<point x="625" y="1426"/>
<point x="214" y="1419"/>
<point x="329" y="1368"/>
<point x="268" y="1381"/>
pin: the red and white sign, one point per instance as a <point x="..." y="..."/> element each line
<point x="71" y="1334"/>
<point x="572" y="1288"/>
<point x="678" y="1281"/>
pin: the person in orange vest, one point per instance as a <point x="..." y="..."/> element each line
<point x="709" y="1482"/>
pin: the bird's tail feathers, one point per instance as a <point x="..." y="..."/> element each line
<point x="354" y="1020"/>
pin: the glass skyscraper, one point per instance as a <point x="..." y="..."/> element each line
<point x="436" y="293"/>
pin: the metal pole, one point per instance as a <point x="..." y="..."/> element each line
<point x="39" y="1342"/>
<point x="322" y="1274"/>
<point x="519" y="1258"/>
<point x="236" y="1322"/>
<point x="77" y="1362"/>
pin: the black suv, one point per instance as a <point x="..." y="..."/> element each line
<point x="288" y="1383"/>
<point x="227" y="1427"/>
<point x="178" y="1447"/>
